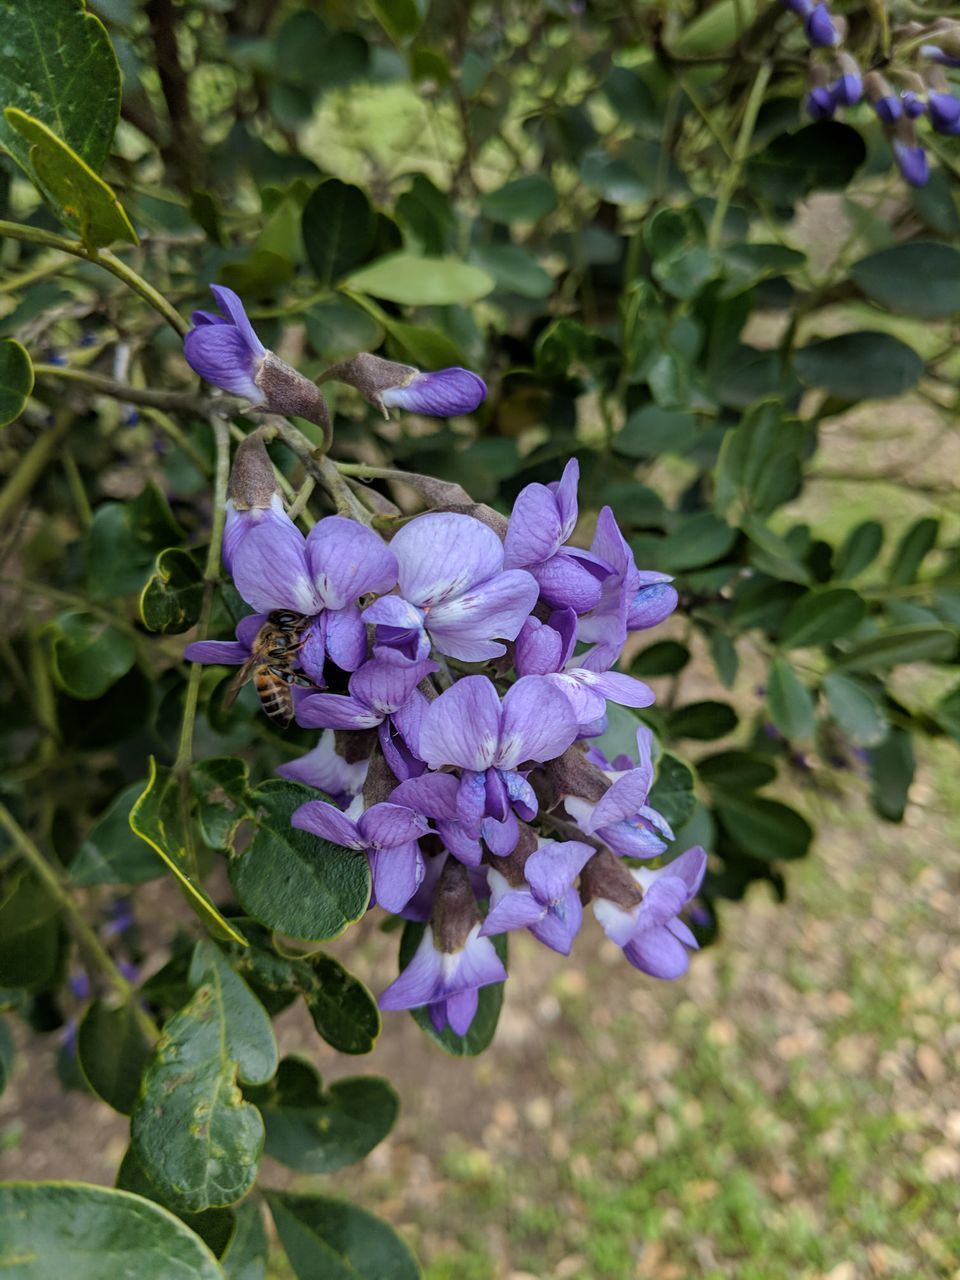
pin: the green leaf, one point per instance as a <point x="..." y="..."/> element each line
<point x="824" y="155"/>
<point x="400" y="19"/>
<point x="664" y="658"/>
<point x="917" y="642"/>
<point x="490" y="999"/>
<point x="89" y="1233"/>
<point x="700" y="539"/>
<point x="919" y="539"/>
<point x="16" y="380"/>
<point x="170" y="602"/>
<point x="790" y="702"/>
<point x="948" y="712"/>
<point x="30" y="936"/>
<point x="111" y="853"/>
<point x="112" y="1051"/>
<point x="221" y="789"/>
<point x="764" y="829"/>
<point x="6" y="1053"/>
<point x="759" y="466"/>
<point x="197" y="1140"/>
<point x="87" y="653"/>
<point x="525" y="199"/>
<point x="514" y="269"/>
<point x="650" y="431"/>
<point x="79" y="197"/>
<point x="745" y="265"/>
<point x="338" y="329"/>
<point x="715" y="29"/>
<point x="892" y="766"/>
<point x="54" y="54"/>
<point x="124" y="541"/>
<point x="158" y="817"/>
<point x="422" y="282"/>
<point x="245" y="1257"/>
<point x="215" y="1227"/>
<point x="672" y="792"/>
<point x="919" y="278"/>
<point x="821" y="616"/>
<point x="292" y="881"/>
<point x="338" y="227"/>
<point x="859" y="550"/>
<point x="614" y="179"/>
<point x="735" y="771"/>
<point x="343" y="1010"/>
<point x="855" y="709"/>
<point x="866" y="365"/>
<point x="703" y="721"/>
<point x="338" y="1241"/>
<point x="631" y="98"/>
<point x="317" y="1132"/>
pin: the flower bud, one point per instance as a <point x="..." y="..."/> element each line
<point x="882" y="97"/>
<point x="848" y="88"/>
<point x="252" y="480"/>
<point x="224" y="349"/>
<point x="820" y="28"/>
<point x="387" y="385"/>
<point x="944" y="112"/>
<point x="910" y="156"/>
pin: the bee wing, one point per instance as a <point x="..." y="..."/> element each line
<point x="238" y="681"/>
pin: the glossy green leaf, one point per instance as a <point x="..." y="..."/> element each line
<point x="317" y="1131"/>
<point x="892" y="766"/>
<point x="422" y="282"/>
<point x="514" y="270"/>
<point x="338" y="228"/>
<point x="917" y="642"/>
<point x="79" y="197"/>
<point x="291" y="880"/>
<point x="859" y="550"/>
<point x="672" y="793"/>
<point x="111" y="853"/>
<point x="820" y="156"/>
<point x="343" y="1010"/>
<point x="160" y="817"/>
<point x="821" y="616"/>
<point x="859" y="366"/>
<point x="245" y="1257"/>
<point x="112" y="1051"/>
<point x="764" y="829"/>
<point x="215" y="1227"/>
<point x="170" y="602"/>
<point x="50" y="1229"/>
<point x="700" y="539"/>
<point x="703" y="720"/>
<point x="759" y="467"/>
<point x="911" y="550"/>
<point x="745" y="265"/>
<point x="338" y="329"/>
<point x="855" y="709"/>
<point x="790" y="702"/>
<point x="197" y="1140"/>
<point x="6" y="1054"/>
<point x="525" y="199"/>
<point x="615" y="179"/>
<point x="16" y="380"/>
<point x="490" y="1000"/>
<point x="124" y="540"/>
<point x="54" y="52"/>
<point x="650" y="431"/>
<point x="88" y="653"/>
<point x="338" y="1241"/>
<point x="30" y="935"/>
<point x="735" y="771"/>
<point x="919" y="278"/>
<point x="664" y="658"/>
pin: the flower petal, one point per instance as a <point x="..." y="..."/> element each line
<point x="560" y="924"/>
<point x="657" y="952"/>
<point x="442" y="554"/>
<point x="347" y="560"/>
<point x="538" y="723"/>
<point x="566" y="583"/>
<point x="227" y="652"/>
<point x="346" y="637"/>
<point x="501" y="837"/>
<point x="324" y="769"/>
<point x="335" y="711"/>
<point x="270" y="568"/>
<point x="420" y="982"/>
<point x="386" y="825"/>
<point x="551" y="870"/>
<point x="539" y="649"/>
<point x="397" y="875"/>
<point x="222" y="357"/>
<point x="327" y="822"/>
<point x="385" y="684"/>
<point x="516" y="910"/>
<point x="462" y="1009"/>
<point x="443" y="394"/>
<point x="432" y="794"/>
<point x="462" y="726"/>
<point x="626" y="691"/>
<point x="534" y="533"/>
<point x="231" y="306"/>
<point x="565" y="495"/>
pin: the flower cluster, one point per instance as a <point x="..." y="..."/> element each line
<point x="458" y="675"/>
<point x="837" y="83"/>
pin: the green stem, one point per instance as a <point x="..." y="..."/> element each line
<point x="77" y="491"/>
<point x="321" y="468"/>
<point x="744" y="138"/>
<point x="211" y="576"/>
<point x="103" y="258"/>
<point x="182" y="441"/>
<point x="31" y="466"/>
<point x="85" y="934"/>
<point x="184" y="401"/>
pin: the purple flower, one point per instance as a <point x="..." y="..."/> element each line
<point x="848" y="89"/>
<point x="652" y="936"/>
<point x="912" y="163"/>
<point x="452" y="962"/>
<point x="434" y="796"/>
<point x="819" y="27"/>
<point x="889" y="108"/>
<point x="544" y="517"/>
<point x="821" y="103"/>
<point x="225" y="351"/>
<point x="79" y="983"/>
<point x="377" y="689"/>
<point x="944" y="110"/>
<point x="913" y="105"/>
<point x="322" y="575"/>
<point x="228" y="653"/>
<point x="621" y="818"/>
<point x="468" y="728"/>
<point x="546" y="649"/>
<point x="542" y="898"/>
<point x="327" y="771"/>
<point x="935" y="54"/>
<point x="631" y="599"/>
<point x="453" y="590"/>
<point x="443" y="394"/>
<point x="387" y="832"/>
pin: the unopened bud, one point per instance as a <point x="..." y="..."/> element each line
<point x="252" y="479"/>
<point x="386" y="385"/>
<point x="455" y="910"/>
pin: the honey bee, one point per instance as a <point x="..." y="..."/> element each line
<point x="270" y="665"/>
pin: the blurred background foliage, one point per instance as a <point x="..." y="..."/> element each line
<point x="743" y="325"/>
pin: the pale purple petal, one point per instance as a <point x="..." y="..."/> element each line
<point x="479" y="965"/>
<point x="397" y="874"/>
<point x="586" y="704"/>
<point x="464" y="847"/>
<point x="501" y="837"/>
<point x="270" y="569"/>
<point x="226" y="652"/>
<point x="443" y="394"/>
<point x="552" y="869"/>
<point x="231" y="306"/>
<point x="462" y="726"/>
<point x="327" y="822"/>
<point x="537" y="723"/>
<point x="690" y="867"/>
<point x="385" y="684"/>
<point x="560" y="923"/>
<point x="442" y="554"/>
<point x="539" y="649"/>
<point x="632" y="838"/>
<point x="472" y="799"/>
<point x="346" y="637"/>
<point x="651" y="605"/>
<point x="522" y="796"/>
<point x="394" y="611"/>
<point x="347" y="560"/>
<point x="565" y="583"/>
<point x="248" y="627"/>
<point x="616" y="923"/>
<point x="420" y="982"/>
<point x="221" y="356"/>
<point x="496" y="802"/>
<point x="515" y="910"/>
<point x="461" y="1010"/>
<point x="498" y="608"/>
<point x="313" y="650"/>
<point x="657" y="952"/>
<point x="400" y="737"/>
<point x="534" y="533"/>
<point x="239" y="523"/>
<point x="627" y="691"/>
<point x="624" y="798"/>
<point x="324" y="769"/>
<point x="335" y="711"/>
<point x="385" y="825"/>
<point x="432" y="794"/>
<point x="565" y="494"/>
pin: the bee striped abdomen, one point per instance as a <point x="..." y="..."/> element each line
<point x="275" y="693"/>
